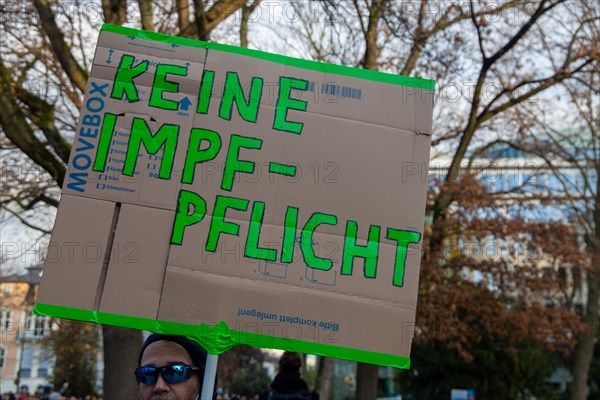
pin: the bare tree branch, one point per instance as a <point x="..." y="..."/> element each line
<point x="19" y="132"/>
<point x="478" y="29"/>
<point x="246" y="12"/>
<point x="24" y="221"/>
<point x="488" y="62"/>
<point x="42" y="114"/>
<point x="543" y="84"/>
<point x="207" y="20"/>
<point x="77" y="75"/>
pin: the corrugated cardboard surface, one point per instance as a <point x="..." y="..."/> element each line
<point x="362" y="156"/>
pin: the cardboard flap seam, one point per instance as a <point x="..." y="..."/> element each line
<point x="367" y="123"/>
<point x="186" y="87"/>
<point x="403" y="306"/>
<point x="107" y="257"/>
<point x="94" y="196"/>
<point x="172" y="57"/>
<point x="345" y="119"/>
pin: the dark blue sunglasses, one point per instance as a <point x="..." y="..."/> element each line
<point x="170" y="373"/>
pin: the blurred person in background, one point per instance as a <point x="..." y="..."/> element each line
<point x="288" y="384"/>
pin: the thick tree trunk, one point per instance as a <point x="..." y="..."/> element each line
<point x="366" y="381"/>
<point x="121" y="349"/>
<point x="372" y="50"/>
<point x="183" y="18"/>
<point x="115" y="11"/>
<point x="323" y="385"/>
<point x="147" y="14"/>
<point x="585" y="345"/>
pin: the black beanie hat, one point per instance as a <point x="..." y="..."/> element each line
<point x="196" y="352"/>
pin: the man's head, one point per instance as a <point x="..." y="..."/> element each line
<point x="182" y="379"/>
<point x="290" y="362"/>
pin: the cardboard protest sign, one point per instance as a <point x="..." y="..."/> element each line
<point x="236" y="196"/>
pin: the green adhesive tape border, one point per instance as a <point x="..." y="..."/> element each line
<point x="220" y="338"/>
<point x="377" y="76"/>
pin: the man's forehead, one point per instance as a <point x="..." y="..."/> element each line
<point x="164" y="352"/>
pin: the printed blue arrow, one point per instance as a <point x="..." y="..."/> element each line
<point x="110" y="53"/>
<point x="187" y="64"/>
<point x="131" y="37"/>
<point x="185" y="103"/>
<point x="174" y="45"/>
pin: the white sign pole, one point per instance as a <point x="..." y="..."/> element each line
<point x="210" y="372"/>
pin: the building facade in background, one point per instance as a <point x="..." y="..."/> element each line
<point x="26" y="360"/>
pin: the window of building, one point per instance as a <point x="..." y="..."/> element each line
<point x="5" y="319"/>
<point x="26" y="362"/>
<point x="513" y="180"/>
<point x="6" y="289"/>
<point x="44" y="363"/>
<point x="2" y="357"/>
<point x="42" y="325"/>
<point x="37" y="326"/>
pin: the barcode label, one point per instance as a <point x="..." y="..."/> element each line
<point x="337" y="90"/>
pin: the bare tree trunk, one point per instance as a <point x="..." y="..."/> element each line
<point x="115" y="11"/>
<point x="183" y="18"/>
<point x="121" y="349"/>
<point x="366" y="381"/>
<point x="323" y="384"/>
<point x="147" y="14"/>
<point x="585" y="345"/>
<point x="372" y="50"/>
<point x="207" y="20"/>
<point x="367" y="374"/>
<point x="246" y="12"/>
